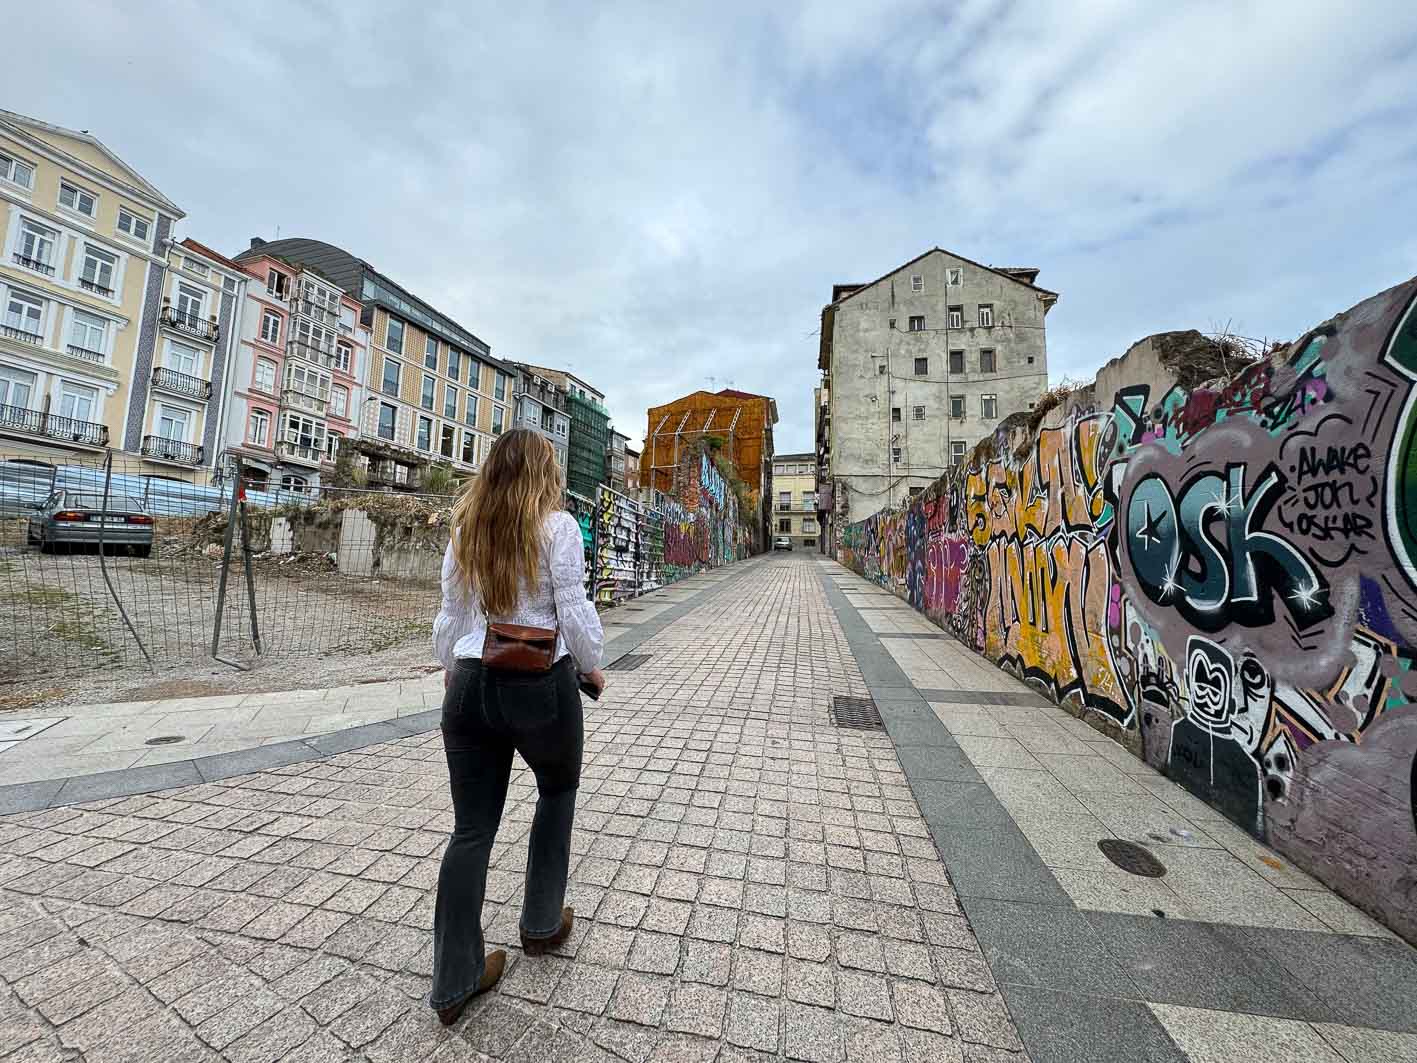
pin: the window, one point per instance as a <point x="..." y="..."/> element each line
<point x="16" y="387"/>
<point x="450" y="402"/>
<point x="891" y="324"/>
<point x="291" y="482"/>
<point x="809" y="526"/>
<point x="134" y="225"/>
<point x="809" y="500"/>
<point x="258" y="428"/>
<point x="393" y="337"/>
<point x="956" y="317"/>
<point x="344" y="354"/>
<point x="881" y="369"/>
<point x="785" y="524"/>
<point x="306" y="433"/>
<point x="190" y="302"/>
<point x="784" y="500"/>
<point x="72" y="197"/>
<point x="16" y="172"/>
<point x="917" y="413"/>
<point x="986" y="315"/>
<point x="957" y="453"/>
<point x="448" y="441"/>
<point x="469" y="448"/>
<point x="390" y="383"/>
<point x="922" y="367"/>
<point x="989" y="407"/>
<point x="25" y="313"/>
<point x="339" y="401"/>
<point x="200" y="269"/>
<point x="454" y="363"/>
<point x="987" y="363"/>
<point x="77" y="402"/>
<point x="425" y="433"/>
<point x="36" y="246"/>
<point x="1030" y="359"/>
<point x="278" y="284"/>
<point x="895" y="454"/>
<point x="265" y="376"/>
<point x="499" y="391"/>
<point x="88" y="332"/>
<point x="956" y="361"/>
<point x="957" y="406"/>
<point x="270" y="327"/>
<point x="306" y="380"/>
<point x="388" y="418"/>
<point x="182" y="359"/>
<point x="430" y="353"/>
<point x="954" y="275"/>
<point x="173" y="423"/>
<point x="497" y="420"/>
<point x="917" y="283"/>
<point x="470" y="413"/>
<point x="895" y="413"/>
<point x="426" y="396"/>
<point x="332" y="442"/>
<point x="917" y="323"/>
<point x="228" y="284"/>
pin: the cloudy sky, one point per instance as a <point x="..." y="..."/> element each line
<point x="660" y="196"/>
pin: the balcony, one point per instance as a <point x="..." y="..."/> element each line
<point x="75" y="351"/>
<point x="308" y="351"/>
<point x="189" y="324"/>
<point x="181" y="384"/>
<point x="302" y="400"/>
<point x="315" y="312"/>
<point x="34" y="339"/>
<point x="93" y="286"/>
<point x="64" y="429"/>
<point x="160" y="448"/>
<point x="42" y="268"/>
<point x="299" y="453"/>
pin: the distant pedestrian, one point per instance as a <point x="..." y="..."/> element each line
<point x="515" y="558"/>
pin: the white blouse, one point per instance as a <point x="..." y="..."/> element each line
<point x="461" y="626"/>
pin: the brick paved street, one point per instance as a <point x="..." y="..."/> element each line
<point x="749" y="879"/>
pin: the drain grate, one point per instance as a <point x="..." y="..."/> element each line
<point x="628" y="663"/>
<point x="857" y="713"/>
<point x="1132" y="858"/>
<point x="165" y="740"/>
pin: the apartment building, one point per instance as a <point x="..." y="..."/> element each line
<point x="590" y="431"/>
<point x="632" y="471"/>
<point x="918" y="366"/>
<point x="543" y="406"/>
<point x="794" y="508"/>
<point x="616" y="460"/>
<point x="296" y="385"/>
<point x="81" y="283"/>
<point x="432" y="392"/>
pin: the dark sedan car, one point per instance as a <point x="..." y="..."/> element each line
<point x="76" y="518"/>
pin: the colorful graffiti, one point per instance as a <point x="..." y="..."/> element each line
<point x="1222" y="577"/>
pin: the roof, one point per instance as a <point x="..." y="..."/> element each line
<point x="215" y="256"/>
<point x="138" y="181"/>
<point x="727" y="393"/>
<point x="855" y="288"/>
<point x="806" y="456"/>
<point x="559" y="376"/>
<point x="350" y="273"/>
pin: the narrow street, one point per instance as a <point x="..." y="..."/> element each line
<point x="750" y="881"/>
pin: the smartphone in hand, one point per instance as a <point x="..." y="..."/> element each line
<point x="588" y="688"/>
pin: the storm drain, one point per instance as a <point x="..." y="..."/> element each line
<point x="165" y="740"/>
<point x="1133" y="858"/>
<point x="857" y="713"/>
<point x="627" y="663"/>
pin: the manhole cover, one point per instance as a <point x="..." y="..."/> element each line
<point x="165" y="740"/>
<point x="858" y="713"/>
<point x="1131" y="857"/>
<point x="627" y="663"/>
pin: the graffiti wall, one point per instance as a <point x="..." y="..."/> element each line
<point x="1221" y="577"/>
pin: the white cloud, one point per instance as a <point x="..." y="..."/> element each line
<point x="662" y="196"/>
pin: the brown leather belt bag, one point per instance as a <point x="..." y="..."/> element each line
<point x="514" y="648"/>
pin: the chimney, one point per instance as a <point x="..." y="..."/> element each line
<point x="256" y="242"/>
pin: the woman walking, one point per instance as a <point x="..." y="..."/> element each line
<point x="515" y="558"/>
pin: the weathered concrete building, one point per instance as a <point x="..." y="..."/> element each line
<point x="917" y="367"/>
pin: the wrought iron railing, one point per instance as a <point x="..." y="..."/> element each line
<point x="35" y="264"/>
<point x="173" y="450"/>
<point x="189" y="323"/>
<point x="36" y="422"/>
<point x="181" y="383"/>
<point x="95" y="287"/>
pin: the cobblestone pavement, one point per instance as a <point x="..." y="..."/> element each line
<point x="750" y="881"/>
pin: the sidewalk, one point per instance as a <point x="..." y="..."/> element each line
<point x="751" y="881"/>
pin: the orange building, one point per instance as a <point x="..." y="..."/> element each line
<point x="740" y="421"/>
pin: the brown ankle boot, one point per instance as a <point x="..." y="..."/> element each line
<point x="541" y="946"/>
<point x="492" y="970"/>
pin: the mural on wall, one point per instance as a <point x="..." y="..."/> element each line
<point x="1222" y="577"/>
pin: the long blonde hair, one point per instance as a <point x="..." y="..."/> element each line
<point x="497" y="521"/>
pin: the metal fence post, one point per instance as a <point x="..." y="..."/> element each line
<point x="236" y="487"/>
<point x="250" y="575"/>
